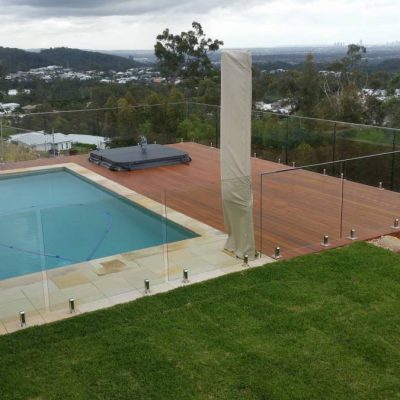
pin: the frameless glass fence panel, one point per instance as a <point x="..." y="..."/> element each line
<point x="274" y="137"/>
<point x="198" y="209"/>
<point x="257" y="211"/>
<point x="113" y="241"/>
<point x="355" y="141"/>
<point x="299" y="207"/>
<point x="371" y="198"/>
<point x="23" y="281"/>
<point x="310" y="141"/>
<point x="11" y="151"/>
<point x="201" y="209"/>
<point x="304" y="141"/>
<point x="201" y="124"/>
<point x="120" y="125"/>
<point x="269" y="136"/>
<point x="161" y="123"/>
<point x="54" y="135"/>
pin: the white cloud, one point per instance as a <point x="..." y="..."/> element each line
<point x="101" y="24"/>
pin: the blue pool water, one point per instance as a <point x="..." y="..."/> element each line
<point x="53" y="219"/>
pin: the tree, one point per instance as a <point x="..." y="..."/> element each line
<point x="126" y="116"/>
<point x="378" y="80"/>
<point x="374" y="111"/>
<point x="341" y="88"/>
<point x="110" y="117"/>
<point x="2" y="74"/>
<point x="351" y="109"/>
<point x="309" y="88"/>
<point x="353" y="57"/>
<point x="288" y="85"/>
<point x="209" y="91"/>
<point x="392" y="108"/>
<point x="256" y="83"/>
<point x="394" y="83"/>
<point x="186" y="55"/>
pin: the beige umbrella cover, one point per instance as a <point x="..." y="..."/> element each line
<point x="237" y="197"/>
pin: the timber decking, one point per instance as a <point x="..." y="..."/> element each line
<point x="293" y="209"/>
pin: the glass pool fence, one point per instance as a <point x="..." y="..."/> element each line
<point x="287" y="139"/>
<point x="318" y="206"/>
<point x="325" y="188"/>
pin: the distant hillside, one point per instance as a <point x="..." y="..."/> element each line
<point x="390" y="65"/>
<point x="14" y="60"/>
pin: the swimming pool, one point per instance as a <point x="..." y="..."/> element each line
<point x="53" y="219"/>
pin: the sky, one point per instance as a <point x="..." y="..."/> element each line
<point x="134" y="24"/>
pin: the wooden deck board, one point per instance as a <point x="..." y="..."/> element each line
<point x="297" y="207"/>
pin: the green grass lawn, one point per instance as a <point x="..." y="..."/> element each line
<point x="323" y="326"/>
